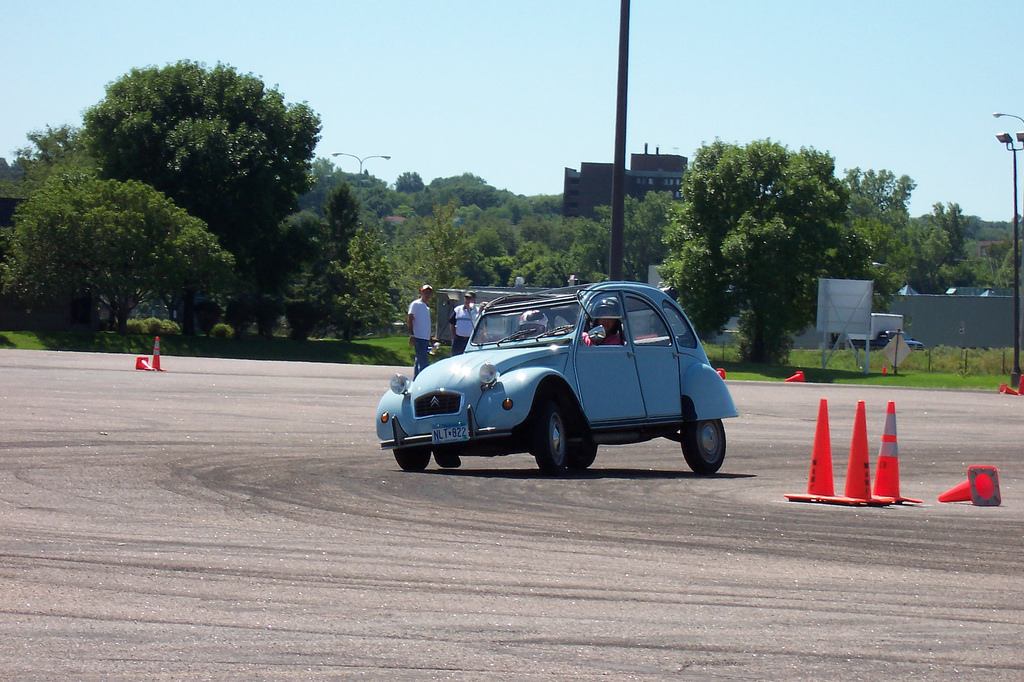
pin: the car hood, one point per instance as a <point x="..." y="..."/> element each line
<point x="465" y="369"/>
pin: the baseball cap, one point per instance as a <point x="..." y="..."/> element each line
<point x="425" y="287"/>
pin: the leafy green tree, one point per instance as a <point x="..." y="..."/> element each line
<point x="444" y="249"/>
<point x="409" y="183"/>
<point x="466" y="190"/>
<point x="589" y="253"/>
<point x="314" y="304"/>
<point x="50" y="150"/>
<point x="489" y="262"/>
<point x="367" y="301"/>
<point x="879" y="212"/>
<point x="539" y="266"/>
<point x="325" y="177"/>
<point x="222" y="146"/>
<point x="760" y="224"/>
<point x="433" y="250"/>
<point x="124" y="242"/>
<point x="879" y="195"/>
<point x="937" y="244"/>
<point x="644" y="234"/>
<point x="378" y="201"/>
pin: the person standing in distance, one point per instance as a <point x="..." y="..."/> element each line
<point x="419" y="328"/>
<point x="462" y="320"/>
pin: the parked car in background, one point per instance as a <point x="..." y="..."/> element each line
<point x="542" y="375"/>
<point x="883" y="338"/>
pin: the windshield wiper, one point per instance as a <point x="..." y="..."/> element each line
<point x="518" y="335"/>
<point x="558" y="331"/>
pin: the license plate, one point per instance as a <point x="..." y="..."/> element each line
<point x="450" y="434"/>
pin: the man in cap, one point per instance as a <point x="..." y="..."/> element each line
<point x="462" y="320"/>
<point x="419" y="328"/>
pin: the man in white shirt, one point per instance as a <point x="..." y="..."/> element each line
<point x="419" y="328"/>
<point x="462" y="320"/>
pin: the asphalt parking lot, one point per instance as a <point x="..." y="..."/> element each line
<point x="237" y="520"/>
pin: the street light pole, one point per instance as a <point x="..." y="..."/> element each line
<point x="359" y="188"/>
<point x="1008" y="141"/>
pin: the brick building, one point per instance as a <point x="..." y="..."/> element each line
<point x="591" y="185"/>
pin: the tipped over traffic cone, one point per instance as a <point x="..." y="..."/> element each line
<point x="142" y="362"/>
<point x="887" y="470"/>
<point x="721" y="372"/>
<point x="981" y="488"/>
<point x="819" y="481"/>
<point x="961" y="492"/>
<point x="1003" y="388"/>
<point x="156" y="356"/>
<point x="798" y="377"/>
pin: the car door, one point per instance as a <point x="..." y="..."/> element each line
<point x="608" y="383"/>
<point x="657" y="361"/>
<point x="686" y="340"/>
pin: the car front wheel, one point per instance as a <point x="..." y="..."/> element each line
<point x="447" y="460"/>
<point x="583" y="455"/>
<point x="412" y="459"/>
<point x="703" y="446"/>
<point x="550" y="445"/>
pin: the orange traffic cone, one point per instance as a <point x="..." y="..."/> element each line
<point x="156" y="356"/>
<point x="1020" y="385"/>
<point x="819" y="481"/>
<point x="721" y="372"/>
<point x="984" y="485"/>
<point x="887" y="470"/>
<point x="142" y="362"/>
<point x="961" y="492"/>
<point x="1003" y="388"/>
<point x="981" y="488"/>
<point x="798" y="377"/>
<point x="858" y="469"/>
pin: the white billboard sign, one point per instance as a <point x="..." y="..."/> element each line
<point x="844" y="307"/>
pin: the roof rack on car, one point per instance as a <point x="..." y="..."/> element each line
<point x="546" y="295"/>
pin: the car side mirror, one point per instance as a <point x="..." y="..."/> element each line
<point x="597" y="333"/>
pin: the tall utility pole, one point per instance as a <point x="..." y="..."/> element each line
<point x="619" y="170"/>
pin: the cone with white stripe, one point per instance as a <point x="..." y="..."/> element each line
<point x="155" y="365"/>
<point x="887" y="471"/>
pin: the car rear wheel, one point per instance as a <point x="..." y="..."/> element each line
<point x="550" y="445"/>
<point x="703" y="445"/>
<point x="412" y="459"/>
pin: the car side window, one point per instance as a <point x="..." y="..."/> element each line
<point x="645" y="324"/>
<point x="680" y="327"/>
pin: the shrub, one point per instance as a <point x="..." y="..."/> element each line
<point x="222" y="331"/>
<point x="169" y="328"/>
<point x="153" y="327"/>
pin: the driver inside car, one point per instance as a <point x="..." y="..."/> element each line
<point x="608" y="316"/>
<point x="533" y="321"/>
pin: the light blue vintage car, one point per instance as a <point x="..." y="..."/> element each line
<point x="556" y="374"/>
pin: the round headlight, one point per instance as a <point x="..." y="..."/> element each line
<point x="400" y="384"/>
<point x="488" y="374"/>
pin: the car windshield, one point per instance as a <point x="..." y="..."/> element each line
<point x="537" y="320"/>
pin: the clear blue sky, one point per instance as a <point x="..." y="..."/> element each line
<point x="515" y="91"/>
